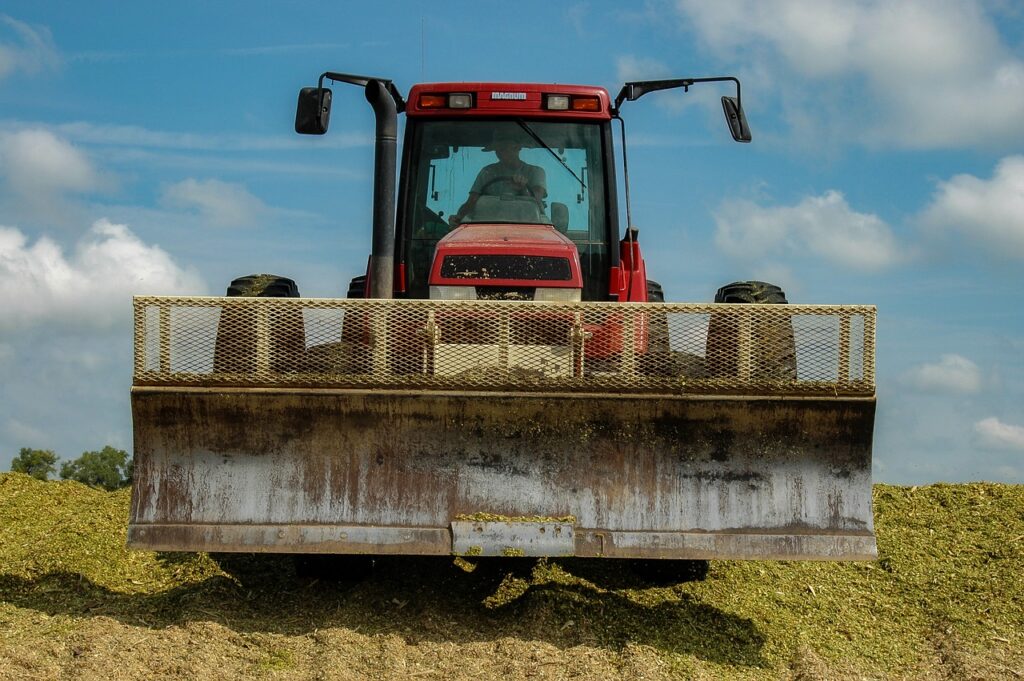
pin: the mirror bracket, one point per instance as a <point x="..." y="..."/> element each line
<point x="735" y="117"/>
<point x="363" y="81"/>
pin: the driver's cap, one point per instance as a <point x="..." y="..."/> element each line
<point x="504" y="135"/>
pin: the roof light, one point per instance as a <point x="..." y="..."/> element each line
<point x="558" y="102"/>
<point x="586" y="104"/>
<point x="460" y="100"/>
<point x="433" y="101"/>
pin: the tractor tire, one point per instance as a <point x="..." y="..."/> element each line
<point x="263" y="286"/>
<point x="357" y="287"/>
<point x="661" y="360"/>
<point x="235" y="346"/>
<point x="352" y="354"/>
<point x="751" y="292"/>
<point x="773" y="346"/>
<point x="657" y="361"/>
<point x="655" y="294"/>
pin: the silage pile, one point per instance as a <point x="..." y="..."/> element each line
<point x="945" y="600"/>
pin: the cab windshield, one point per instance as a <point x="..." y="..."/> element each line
<point x="507" y="172"/>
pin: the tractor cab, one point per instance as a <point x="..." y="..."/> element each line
<point x="457" y="170"/>
<point x="466" y="168"/>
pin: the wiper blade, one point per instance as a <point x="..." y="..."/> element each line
<point x="538" y="140"/>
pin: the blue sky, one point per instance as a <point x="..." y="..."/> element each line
<point x="148" y="148"/>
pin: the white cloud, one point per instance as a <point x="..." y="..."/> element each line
<point x="951" y="374"/>
<point x="576" y="16"/>
<point x="989" y="211"/>
<point x="54" y="397"/>
<point x="92" y="287"/>
<point x="36" y="163"/>
<point x="24" y="433"/>
<point x="630" y="67"/>
<point x="25" y="48"/>
<point x="305" y="48"/>
<point x="937" y="73"/>
<point x="819" y="226"/>
<point x="136" y="136"/>
<point x="994" y="434"/>
<point x="1010" y="473"/>
<point x="222" y="204"/>
<point x="40" y="171"/>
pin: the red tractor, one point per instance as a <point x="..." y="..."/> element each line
<point x="504" y="379"/>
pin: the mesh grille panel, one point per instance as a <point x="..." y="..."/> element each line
<point x="656" y="348"/>
<point x="526" y="267"/>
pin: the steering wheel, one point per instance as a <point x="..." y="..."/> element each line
<point x="507" y="178"/>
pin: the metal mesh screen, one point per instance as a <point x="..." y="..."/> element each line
<point x="658" y="348"/>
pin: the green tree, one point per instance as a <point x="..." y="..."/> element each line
<point x="39" y="463"/>
<point x="107" y="469"/>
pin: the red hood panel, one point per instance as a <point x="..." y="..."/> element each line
<point x="507" y="240"/>
<point x="541" y="237"/>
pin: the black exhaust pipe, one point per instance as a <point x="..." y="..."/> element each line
<point x="382" y="253"/>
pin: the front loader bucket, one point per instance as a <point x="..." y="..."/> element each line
<point x="502" y="457"/>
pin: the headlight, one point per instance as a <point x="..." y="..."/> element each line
<point x="557" y="295"/>
<point x="453" y="292"/>
<point x="558" y="102"/>
<point x="460" y="100"/>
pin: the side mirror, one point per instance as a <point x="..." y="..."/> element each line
<point x="313" y="112"/>
<point x="736" y="119"/>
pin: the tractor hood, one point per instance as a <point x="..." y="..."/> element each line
<point x="506" y="255"/>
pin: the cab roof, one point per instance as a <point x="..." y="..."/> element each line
<point x="509" y="99"/>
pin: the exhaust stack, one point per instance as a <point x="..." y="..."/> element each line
<point x="382" y="254"/>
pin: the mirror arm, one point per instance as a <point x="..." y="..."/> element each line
<point x="634" y="90"/>
<point x="361" y="81"/>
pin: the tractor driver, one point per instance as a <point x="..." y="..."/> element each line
<point x="510" y="175"/>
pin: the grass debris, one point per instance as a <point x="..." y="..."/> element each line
<point x="944" y="600"/>
<point x="495" y="518"/>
